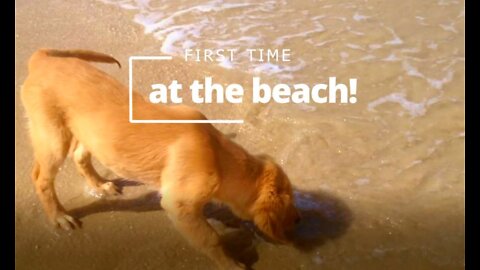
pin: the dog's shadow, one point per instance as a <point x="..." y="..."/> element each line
<point x="324" y="217"/>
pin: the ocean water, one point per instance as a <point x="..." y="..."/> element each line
<point x="387" y="173"/>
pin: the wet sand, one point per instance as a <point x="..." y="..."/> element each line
<point x="359" y="211"/>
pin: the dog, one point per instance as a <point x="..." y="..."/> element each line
<point x="73" y="107"/>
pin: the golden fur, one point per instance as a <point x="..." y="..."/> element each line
<point x="73" y="106"/>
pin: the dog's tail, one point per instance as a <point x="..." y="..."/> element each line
<point x="81" y="54"/>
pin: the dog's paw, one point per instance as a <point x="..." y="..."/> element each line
<point x="66" y="222"/>
<point x="109" y="188"/>
<point x="103" y="189"/>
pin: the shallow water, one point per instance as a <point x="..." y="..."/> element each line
<point x="381" y="181"/>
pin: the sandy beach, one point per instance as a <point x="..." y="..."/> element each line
<point x="381" y="182"/>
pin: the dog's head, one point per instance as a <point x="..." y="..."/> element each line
<point x="274" y="212"/>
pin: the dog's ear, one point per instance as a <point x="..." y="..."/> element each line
<point x="269" y="222"/>
<point x="268" y="212"/>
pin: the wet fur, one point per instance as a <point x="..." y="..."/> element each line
<point x="75" y="108"/>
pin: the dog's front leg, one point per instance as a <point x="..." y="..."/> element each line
<point x="186" y="212"/>
<point x="82" y="158"/>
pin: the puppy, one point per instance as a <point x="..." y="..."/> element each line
<point x="73" y="106"/>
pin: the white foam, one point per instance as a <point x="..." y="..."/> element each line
<point x="438" y="83"/>
<point x="128" y="6"/>
<point x="449" y="27"/>
<point x="168" y="43"/>
<point x="247" y="41"/>
<point x="270" y="68"/>
<point x="188" y="44"/>
<point x="306" y="108"/>
<point x="147" y="20"/>
<point x="204" y="25"/>
<point x="447" y="2"/>
<point x="396" y="40"/>
<point x="413" y="163"/>
<point x="375" y="46"/>
<point x="281" y="40"/>
<point x="435" y="83"/>
<point x="391" y="58"/>
<point x="318" y="17"/>
<point x="226" y="64"/>
<point x="411" y="70"/>
<point x="325" y="42"/>
<point x="420" y="20"/>
<point x="362" y="181"/>
<point x="413" y="108"/>
<point x="358" y="17"/>
<point x="357" y="33"/>
<point x="354" y="46"/>
<point x="243" y="24"/>
<point x="267" y="68"/>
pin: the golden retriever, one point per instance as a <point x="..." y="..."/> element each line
<point x="74" y="107"/>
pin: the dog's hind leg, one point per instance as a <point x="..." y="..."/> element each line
<point x="50" y="143"/>
<point x="83" y="161"/>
